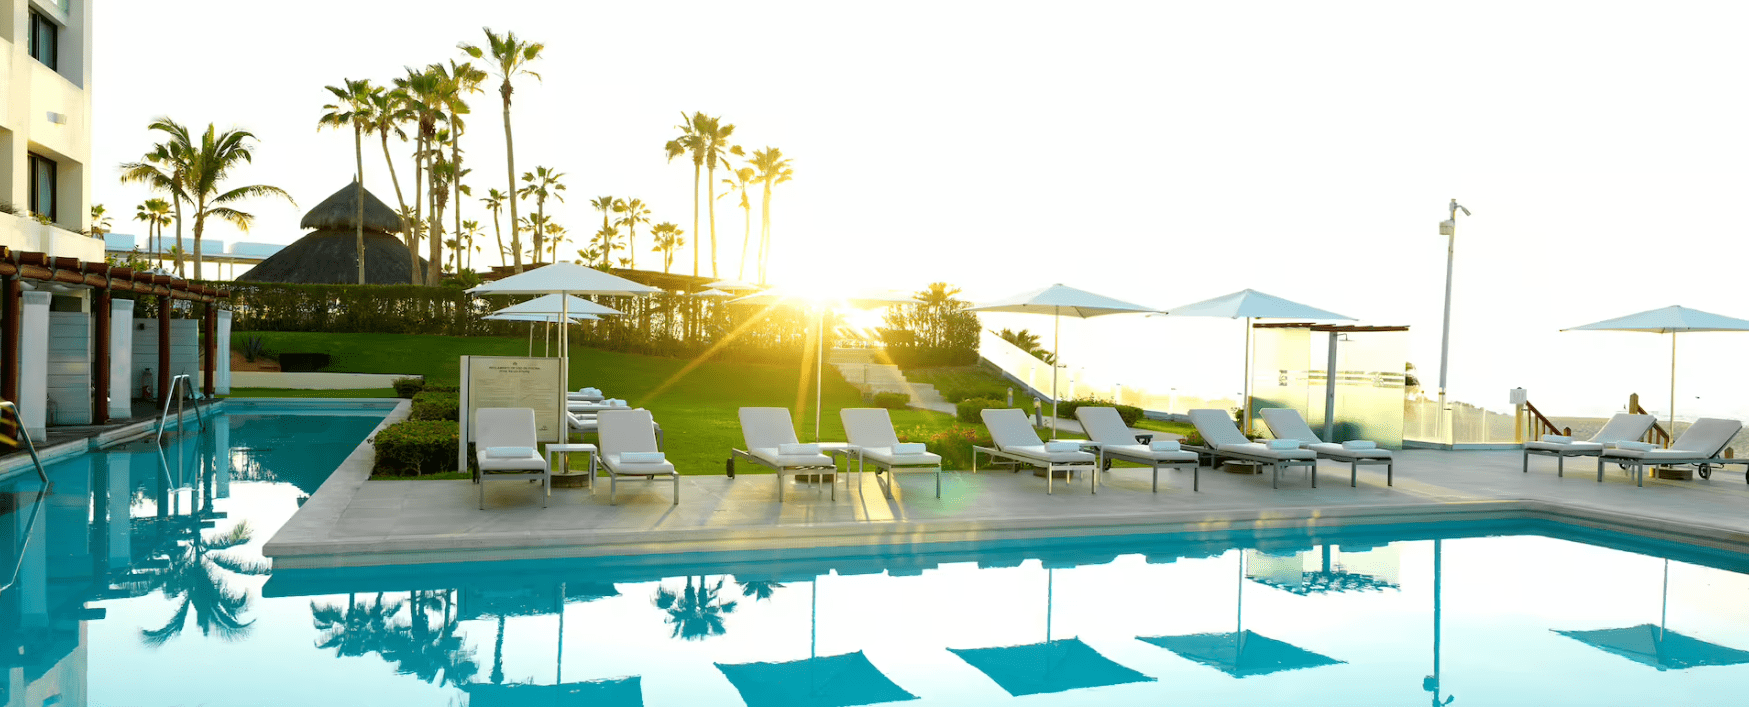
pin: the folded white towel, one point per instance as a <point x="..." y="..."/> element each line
<point x="642" y="457"/>
<point x="509" y="452"/>
<point x="616" y="402"/>
<point x="1636" y="446"/>
<point x="1062" y="446"/>
<point x="1360" y="444"/>
<point x="590" y="391"/>
<point x="794" y="449"/>
<point x="1281" y="444"/>
<point x="1560" y="439"/>
<point x="1166" y="446"/>
<point x="910" y="448"/>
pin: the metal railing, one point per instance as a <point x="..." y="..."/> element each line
<point x="24" y="435"/>
<point x="186" y="384"/>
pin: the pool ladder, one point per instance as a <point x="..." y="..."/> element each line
<point x="183" y="384"/>
<point x="24" y="435"/>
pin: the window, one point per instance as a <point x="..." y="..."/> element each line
<point x="42" y="186"/>
<point x="45" y="40"/>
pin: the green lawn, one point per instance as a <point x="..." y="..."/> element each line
<point x="696" y="405"/>
<point x="960" y="382"/>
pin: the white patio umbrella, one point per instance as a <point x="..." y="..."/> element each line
<point x="1058" y="301"/>
<point x="859" y="300"/>
<point x="713" y="292"/>
<point x="1250" y="304"/>
<point x="531" y="318"/>
<point x="735" y="286"/>
<point x="558" y="304"/>
<point x="1669" y="320"/>
<point x="563" y="279"/>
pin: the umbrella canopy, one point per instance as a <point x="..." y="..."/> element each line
<point x="566" y="278"/>
<point x="1658" y="647"/>
<point x="1250" y="304"/>
<point x="1669" y="320"/>
<point x="535" y="317"/>
<point x="825" y="681"/>
<point x="713" y="292"/>
<point x="552" y="304"/>
<point x="1240" y="654"/>
<point x="1052" y="666"/>
<point x="1060" y="300"/>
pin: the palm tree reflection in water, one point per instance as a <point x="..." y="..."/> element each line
<point x="432" y="654"/>
<point x="697" y="612"/>
<point x="191" y="575"/>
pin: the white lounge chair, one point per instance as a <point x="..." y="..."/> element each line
<point x="625" y="437"/>
<point x="769" y="433"/>
<point x="1700" y="444"/>
<point x="585" y="395"/>
<point x="1623" y="427"/>
<point x="1017" y="441"/>
<point x="872" y="440"/>
<point x="1224" y="440"/>
<point x="1107" y="429"/>
<point x="505" y="447"/>
<point x="1286" y="423"/>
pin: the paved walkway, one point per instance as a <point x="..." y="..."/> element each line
<point x="353" y="522"/>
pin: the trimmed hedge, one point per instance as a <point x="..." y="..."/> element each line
<point x="408" y="387"/>
<point x="417" y="447"/>
<point x="1130" y="413"/>
<point x="891" y="401"/>
<point x="970" y="410"/>
<point x="436" y="406"/>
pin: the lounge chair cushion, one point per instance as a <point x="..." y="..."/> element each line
<point x="1259" y="451"/>
<point x="1138" y="451"/>
<point x="1062" y="446"/>
<point x="509" y="452"/>
<point x="1360" y="444"/>
<point x="1341" y="452"/>
<point x="1282" y="444"/>
<point x="1636" y="446"/>
<point x="892" y="456"/>
<point x="789" y="461"/>
<point x="1569" y="447"/>
<point x="797" y="449"/>
<point x="615" y="463"/>
<point x="1655" y="455"/>
<point x="1164" y="445"/>
<point x="1043" y="454"/>
<point x="1558" y="439"/>
<point x="910" y="448"/>
<point x="642" y="457"/>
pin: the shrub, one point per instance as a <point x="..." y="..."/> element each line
<point x="252" y="348"/>
<point x="891" y="401"/>
<point x="417" y="447"/>
<point x="1130" y="413"/>
<point x="436" y="406"/>
<point x="970" y="410"/>
<point x="953" y="444"/>
<point x="408" y="387"/>
<point x="452" y="389"/>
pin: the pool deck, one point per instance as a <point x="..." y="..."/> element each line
<point x="354" y="522"/>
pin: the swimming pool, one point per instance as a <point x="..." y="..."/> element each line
<point x="143" y="584"/>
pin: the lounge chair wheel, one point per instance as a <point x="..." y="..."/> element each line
<point x="729" y="467"/>
<point x="1706" y="471"/>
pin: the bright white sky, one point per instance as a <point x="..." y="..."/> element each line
<point x="1158" y="152"/>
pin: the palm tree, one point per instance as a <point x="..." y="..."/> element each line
<point x="555" y="235"/>
<point x="759" y="589"/>
<point x="512" y="56"/>
<point x="668" y="237"/>
<point x="155" y="213"/>
<point x="606" y="239"/>
<point x="744" y="177"/>
<point x="774" y="169"/>
<point x="468" y="231"/>
<point x="100" y="221"/>
<point x="209" y="161"/>
<point x="190" y="576"/>
<point x="388" y="110"/>
<point x="165" y="168"/>
<point x="462" y="78"/>
<point x="540" y="184"/>
<point x="494" y="202"/>
<point x="352" y="107"/>
<point x="635" y="213"/>
<point x="442" y="174"/>
<point x="604" y="204"/>
<point x="706" y="139"/>
<point x="423" y="92"/>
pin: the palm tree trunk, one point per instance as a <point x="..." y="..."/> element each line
<point x="695" y="168"/>
<point x="498" y="232"/>
<point x="632" y="242"/>
<point x="199" y="227"/>
<point x="418" y="226"/>
<point x="764" y="232"/>
<point x="434" y="263"/>
<point x="746" y="233"/>
<point x="510" y="172"/>
<point x="358" y="152"/>
<point x="178" y="201"/>
<point x="711" y="206"/>
<point x="606" y="242"/>
<point x="400" y="201"/>
<point x="540" y="223"/>
<point x="455" y="158"/>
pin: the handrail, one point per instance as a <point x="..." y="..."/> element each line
<point x="187" y="384"/>
<point x="24" y="434"/>
<point x="1657" y="435"/>
<point x="1548" y="427"/>
<point x="29" y="530"/>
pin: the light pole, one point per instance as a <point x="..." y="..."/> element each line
<point x="1447" y="228"/>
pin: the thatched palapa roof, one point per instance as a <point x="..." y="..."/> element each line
<point x="340" y="212"/>
<point x="330" y="254"/>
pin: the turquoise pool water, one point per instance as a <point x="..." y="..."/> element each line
<point x="142" y="584"/>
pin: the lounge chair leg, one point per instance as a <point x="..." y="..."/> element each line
<point x="779" y="476"/>
<point x="1526" y="461"/>
<point x="834" y="483"/>
<point x="1314" y="475"/>
<point x="1353" y="473"/>
<point x="546" y="490"/>
<point x="1390" y="474"/>
<point x="1156" y="478"/>
<point x="676" y="488"/>
<point x="1050" y="477"/>
<point x="1561" y="465"/>
<point x="938" y="482"/>
<point x="1600" y="468"/>
<point x="482" y="483"/>
<point x="1640" y="475"/>
<point x="1275" y="476"/>
<point x="1196" y="477"/>
<point x="612" y="489"/>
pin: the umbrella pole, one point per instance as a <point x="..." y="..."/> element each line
<point x="819" y="365"/>
<point x="1673" y="386"/>
<point x="531" y="339"/>
<point x="1056" y="362"/>
<point x="559" y="662"/>
<point x="1664" y="613"/>
<point x="1050" y="592"/>
<point x="1245" y="402"/>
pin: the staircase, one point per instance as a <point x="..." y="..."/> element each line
<point x="859" y="368"/>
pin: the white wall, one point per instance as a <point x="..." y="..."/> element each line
<point x="121" y="358"/>
<point x="69" y="367"/>
<point x="33" y="363"/>
<point x="184" y="351"/>
<point x="222" y="374"/>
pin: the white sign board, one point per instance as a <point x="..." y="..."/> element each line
<point x="515" y="382"/>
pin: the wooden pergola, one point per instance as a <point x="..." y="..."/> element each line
<point x="103" y="280"/>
